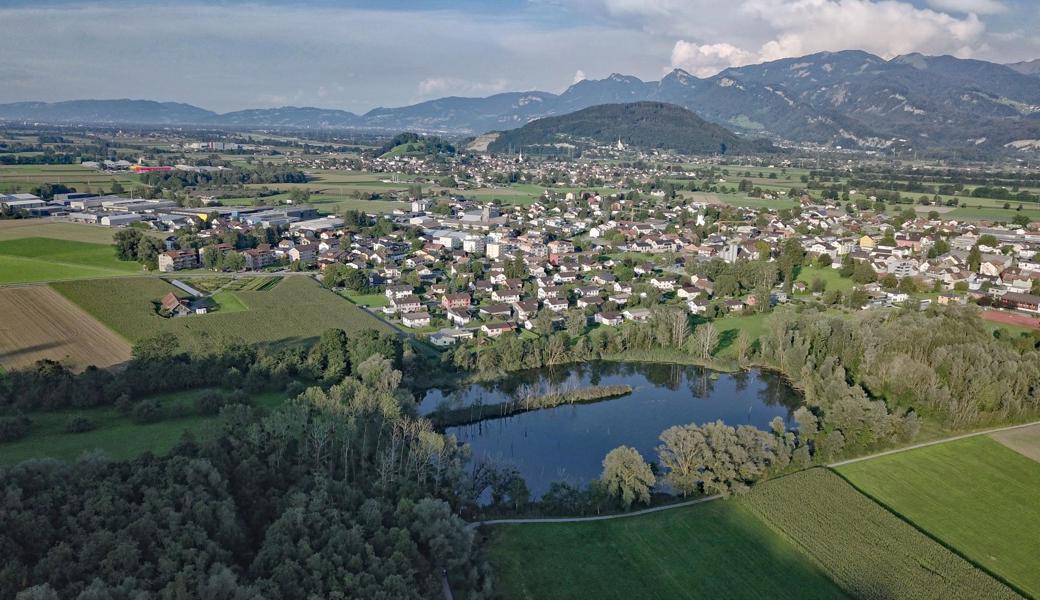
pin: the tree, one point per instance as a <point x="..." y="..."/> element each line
<point x="126" y="241"/>
<point x="743" y="346"/>
<point x="148" y="250"/>
<point x="705" y="339"/>
<point x="627" y="476"/>
<point x="974" y="259"/>
<point x="234" y="261"/>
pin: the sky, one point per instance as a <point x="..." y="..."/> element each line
<point x="228" y="55"/>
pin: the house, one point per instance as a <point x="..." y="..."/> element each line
<point x="456" y="301"/>
<point x="525" y="310"/>
<point x="556" y="304"/>
<point x="588" y="301"/>
<point x="496" y="329"/>
<point x="448" y="337"/>
<point x="259" y="257"/>
<point x="416" y="319"/>
<point x="663" y="284"/>
<point x="304" y="254"/>
<point x="640" y="315"/>
<point x="407" y="304"/>
<point x="175" y="260"/>
<point x="497" y="311"/>
<point x="506" y="295"/>
<point x="698" y="306"/>
<point x="459" y="317"/>
<point x="398" y="291"/>
<point x="172" y="306"/>
<point x="612" y="319"/>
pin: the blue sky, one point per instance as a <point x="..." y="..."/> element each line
<point x="230" y="54"/>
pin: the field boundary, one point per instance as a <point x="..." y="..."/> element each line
<point x="930" y="535"/>
<point x="931" y="443"/>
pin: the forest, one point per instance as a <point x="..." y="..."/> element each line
<point x="342" y="493"/>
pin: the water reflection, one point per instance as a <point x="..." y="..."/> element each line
<point x="568" y="443"/>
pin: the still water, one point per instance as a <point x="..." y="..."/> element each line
<point x="568" y="443"/>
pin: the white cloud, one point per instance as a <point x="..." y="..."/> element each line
<point x="979" y="7"/>
<point x="579" y="75"/>
<point x="453" y="86"/>
<point x="788" y="28"/>
<point x="707" y="59"/>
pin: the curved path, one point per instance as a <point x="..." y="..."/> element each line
<point x="646" y="511"/>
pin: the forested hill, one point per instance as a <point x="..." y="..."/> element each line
<point x="643" y="125"/>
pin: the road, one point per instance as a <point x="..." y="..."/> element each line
<point x="716" y="497"/>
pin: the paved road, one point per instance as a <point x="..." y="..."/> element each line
<point x="711" y="498"/>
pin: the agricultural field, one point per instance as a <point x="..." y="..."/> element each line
<point x="712" y="550"/>
<point x="23" y="178"/>
<point x="975" y="494"/>
<point x="46" y="259"/>
<point x="37" y="323"/>
<point x="59" y="230"/>
<point x="1025" y="440"/>
<point x="294" y="311"/>
<point x="869" y="551"/>
<point x="117" y="435"/>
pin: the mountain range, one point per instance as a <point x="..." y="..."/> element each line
<point x="850" y="98"/>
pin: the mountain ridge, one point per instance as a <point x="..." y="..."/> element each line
<point x="849" y="98"/>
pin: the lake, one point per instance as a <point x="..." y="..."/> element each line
<point x="568" y="443"/>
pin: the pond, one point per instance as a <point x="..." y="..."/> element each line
<point x="568" y="442"/>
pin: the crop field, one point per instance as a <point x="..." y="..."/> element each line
<point x="23" y="178"/>
<point x="1025" y="441"/>
<point x="46" y="259"/>
<point x="869" y="551"/>
<point x="712" y="550"/>
<point x="294" y="311"/>
<point x="975" y="495"/>
<point x="117" y="435"/>
<point x="37" y="323"/>
<point x="51" y="228"/>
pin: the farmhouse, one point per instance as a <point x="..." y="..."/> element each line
<point x="172" y="306"/>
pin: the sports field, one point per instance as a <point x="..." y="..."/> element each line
<point x="868" y="550"/>
<point x="46" y="259"/>
<point x="37" y="323"/>
<point x="294" y="311"/>
<point x="975" y="495"/>
<point x="713" y="550"/>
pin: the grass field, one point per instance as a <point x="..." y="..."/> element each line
<point x="37" y="323"/>
<point x="730" y="326"/>
<point x="23" y="178"/>
<point x="869" y="551"/>
<point x="975" y="495"/>
<point x="369" y="300"/>
<point x="713" y="550"/>
<point x="46" y="259"/>
<point x="294" y="311"/>
<point x="61" y="230"/>
<point x="116" y="435"/>
<point x="228" y="302"/>
<point x="832" y="279"/>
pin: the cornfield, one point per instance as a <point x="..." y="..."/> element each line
<point x="869" y="551"/>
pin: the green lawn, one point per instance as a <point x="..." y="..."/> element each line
<point x="975" y="495"/>
<point x="869" y="551"/>
<point x="295" y="310"/>
<point x="116" y="435"/>
<point x="832" y="279"/>
<point x="370" y="300"/>
<point x="44" y="259"/>
<point x="713" y="550"/>
<point x="730" y="326"/>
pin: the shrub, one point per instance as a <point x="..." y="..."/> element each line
<point x="14" y="427"/>
<point x="79" y="424"/>
<point x="147" y="411"/>
<point x="210" y="403"/>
